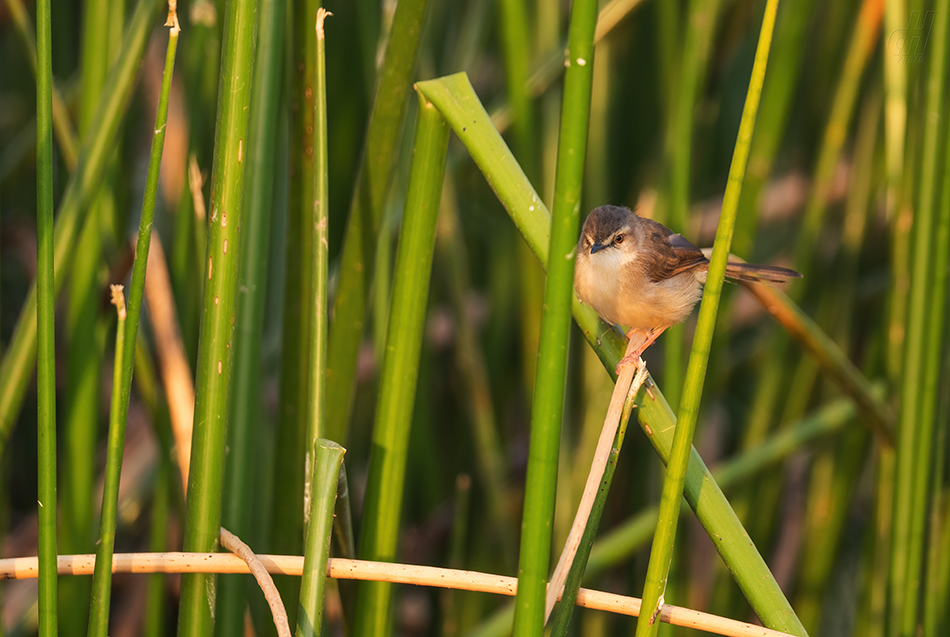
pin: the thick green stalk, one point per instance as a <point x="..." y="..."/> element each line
<point x="241" y="470"/>
<point x="938" y="573"/>
<point x="387" y="469"/>
<point x="456" y="99"/>
<point x="916" y="426"/>
<point x="327" y="458"/>
<point x="661" y="554"/>
<point x="45" y="319"/>
<point x="548" y="403"/>
<point x="287" y="528"/>
<point x="212" y="383"/>
<point x="366" y="211"/>
<point x="83" y="184"/>
<point x="122" y="388"/>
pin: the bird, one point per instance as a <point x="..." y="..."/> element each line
<point x="638" y="274"/>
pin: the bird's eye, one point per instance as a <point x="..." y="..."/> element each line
<point x="619" y="238"/>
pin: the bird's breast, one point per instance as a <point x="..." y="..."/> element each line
<point x="622" y="294"/>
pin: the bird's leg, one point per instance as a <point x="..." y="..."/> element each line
<point x="635" y="354"/>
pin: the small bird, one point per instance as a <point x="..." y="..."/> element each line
<point x="639" y="274"/>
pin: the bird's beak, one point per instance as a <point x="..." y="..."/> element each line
<point x="597" y="247"/>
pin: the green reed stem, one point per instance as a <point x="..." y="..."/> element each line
<point x="241" y="470"/>
<point x="366" y="212"/>
<point x="287" y="526"/>
<point x="45" y="319"/>
<point x="387" y="469"/>
<point x="319" y="220"/>
<point x="661" y="555"/>
<point x="212" y="381"/>
<point x="83" y="184"/>
<point x="548" y="403"/>
<point x="327" y="458"/>
<point x="918" y="389"/>
<point x="125" y="356"/>
<point x="102" y="578"/>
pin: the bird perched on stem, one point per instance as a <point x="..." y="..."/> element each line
<point x="641" y="275"/>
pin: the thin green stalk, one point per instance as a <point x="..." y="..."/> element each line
<point x="934" y="612"/>
<point x="62" y="124"/>
<point x="872" y="620"/>
<point x="661" y="554"/>
<point x="102" y="578"/>
<point x="212" y="382"/>
<point x="319" y="264"/>
<point x="938" y="573"/>
<point x="241" y="469"/>
<point x="45" y="319"/>
<point x="456" y="99"/>
<point x="366" y="212"/>
<point x="387" y="469"/>
<point x="125" y="357"/>
<point x="83" y="184"/>
<point x="548" y="403"/>
<point x="461" y="514"/>
<point x="918" y="386"/>
<point x="327" y="459"/>
<point x="287" y="516"/>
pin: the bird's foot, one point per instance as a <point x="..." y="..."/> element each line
<point x="630" y="359"/>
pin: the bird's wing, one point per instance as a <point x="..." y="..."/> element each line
<point x="676" y="254"/>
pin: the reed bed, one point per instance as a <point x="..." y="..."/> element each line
<point x="355" y="357"/>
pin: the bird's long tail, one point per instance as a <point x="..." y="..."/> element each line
<point x="759" y="273"/>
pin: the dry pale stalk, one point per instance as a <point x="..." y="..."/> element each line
<point x="627" y="382"/>
<point x="27" y="568"/>
<point x="234" y="544"/>
<point x="176" y="374"/>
